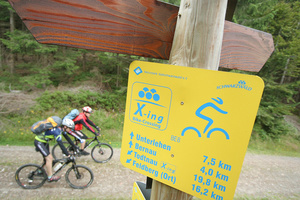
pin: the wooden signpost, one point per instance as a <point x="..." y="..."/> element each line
<point x="202" y="37"/>
<point x="197" y="43"/>
<point x="135" y="27"/>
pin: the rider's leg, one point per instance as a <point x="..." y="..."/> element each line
<point x="82" y="145"/>
<point x="49" y="160"/>
<point x="79" y="137"/>
<point x="51" y="178"/>
<point x="48" y="166"/>
<point x="43" y="148"/>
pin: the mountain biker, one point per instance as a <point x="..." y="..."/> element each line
<point x="41" y="143"/>
<point x="83" y="120"/>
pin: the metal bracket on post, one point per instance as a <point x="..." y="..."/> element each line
<point x="149" y="183"/>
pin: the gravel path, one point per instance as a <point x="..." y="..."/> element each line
<point x="263" y="176"/>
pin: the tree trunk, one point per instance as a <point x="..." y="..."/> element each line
<point x="83" y="60"/>
<point x="1" y="65"/>
<point x="118" y="72"/>
<point x="12" y="29"/>
<point x="284" y="72"/>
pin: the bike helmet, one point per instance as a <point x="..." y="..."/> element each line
<point x="68" y="123"/>
<point x="87" y="109"/>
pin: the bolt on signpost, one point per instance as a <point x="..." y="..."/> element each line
<point x="186" y="128"/>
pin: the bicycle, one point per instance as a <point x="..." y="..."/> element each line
<point x="101" y="152"/>
<point x="33" y="176"/>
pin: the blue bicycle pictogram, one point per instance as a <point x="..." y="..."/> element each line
<point x="208" y="119"/>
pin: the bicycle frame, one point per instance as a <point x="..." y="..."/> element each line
<point x="65" y="163"/>
<point x="92" y="141"/>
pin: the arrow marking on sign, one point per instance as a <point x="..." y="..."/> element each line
<point x="131" y="135"/>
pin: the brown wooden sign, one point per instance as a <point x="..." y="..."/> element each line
<point x="135" y="27"/>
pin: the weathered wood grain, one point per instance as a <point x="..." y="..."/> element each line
<point x="245" y="48"/>
<point x="199" y="33"/>
<point x="135" y="27"/>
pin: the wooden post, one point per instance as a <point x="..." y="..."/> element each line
<point x="199" y="34"/>
<point x="197" y="43"/>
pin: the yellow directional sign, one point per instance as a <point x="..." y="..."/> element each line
<point x="137" y="193"/>
<point x="189" y="128"/>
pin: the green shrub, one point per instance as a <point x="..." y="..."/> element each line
<point x="66" y="99"/>
<point x="17" y="131"/>
<point x="108" y="114"/>
<point x="269" y="121"/>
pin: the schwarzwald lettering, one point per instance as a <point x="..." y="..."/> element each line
<point x="235" y="86"/>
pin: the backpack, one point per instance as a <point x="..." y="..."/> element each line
<point x="74" y="113"/>
<point x="49" y="123"/>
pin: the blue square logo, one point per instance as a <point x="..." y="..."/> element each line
<point x="138" y="70"/>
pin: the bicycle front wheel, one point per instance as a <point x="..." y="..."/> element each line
<point x="30" y="176"/>
<point x="79" y="177"/>
<point x="102" y="153"/>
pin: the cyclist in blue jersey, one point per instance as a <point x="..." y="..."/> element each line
<point x="41" y="143"/>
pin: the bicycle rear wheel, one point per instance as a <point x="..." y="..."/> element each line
<point x="102" y="153"/>
<point x="57" y="152"/>
<point x="30" y="176"/>
<point x="79" y="177"/>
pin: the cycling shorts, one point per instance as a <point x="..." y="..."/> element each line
<point x="42" y="147"/>
<point x="79" y="135"/>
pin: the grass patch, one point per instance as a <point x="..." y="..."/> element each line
<point x="286" y="145"/>
<point x="273" y="197"/>
<point x="17" y="131"/>
<point x="6" y="164"/>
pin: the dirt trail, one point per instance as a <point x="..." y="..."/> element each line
<point x="271" y="177"/>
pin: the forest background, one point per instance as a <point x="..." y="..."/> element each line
<point x="38" y="81"/>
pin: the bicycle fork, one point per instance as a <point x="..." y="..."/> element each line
<point x="77" y="173"/>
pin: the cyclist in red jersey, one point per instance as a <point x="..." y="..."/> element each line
<point x="83" y="120"/>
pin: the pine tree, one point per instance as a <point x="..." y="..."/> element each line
<point x="281" y="72"/>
